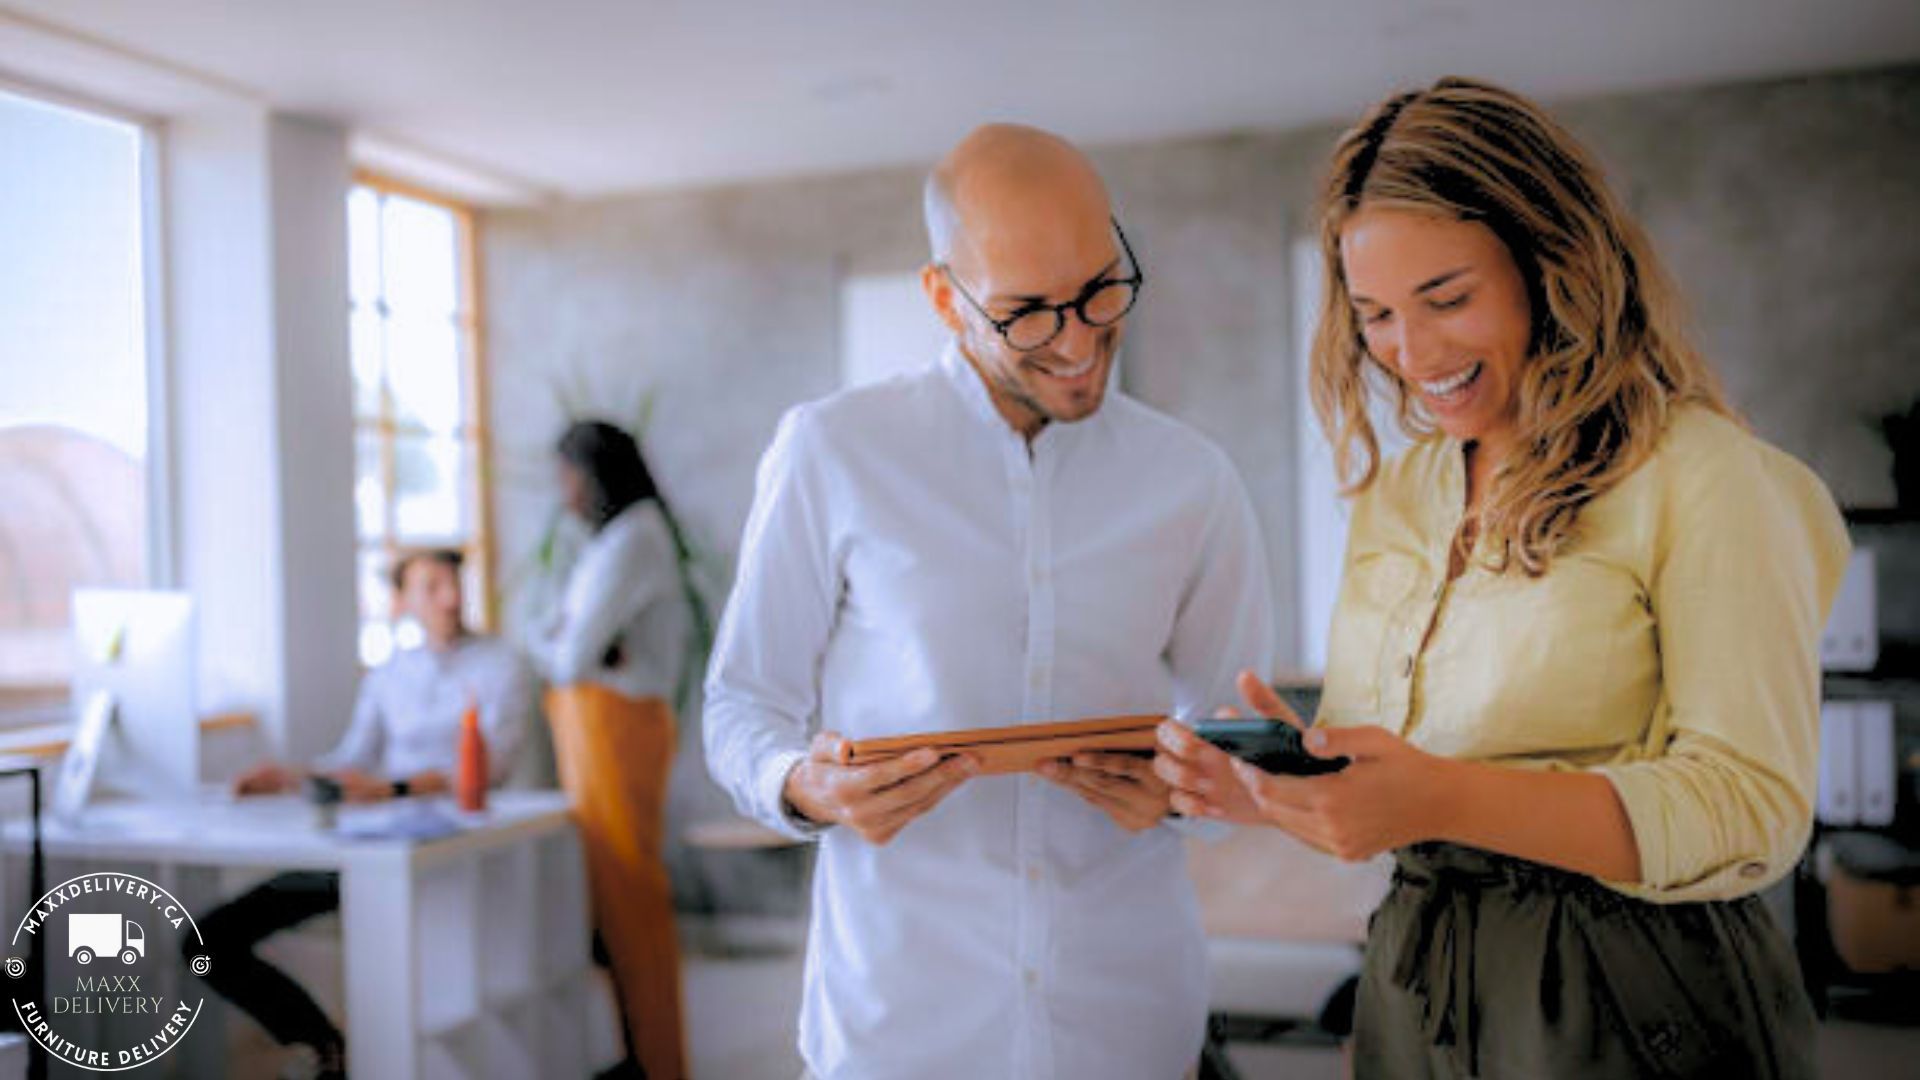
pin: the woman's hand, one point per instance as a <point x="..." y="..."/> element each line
<point x="1391" y="795"/>
<point x="1202" y="776"/>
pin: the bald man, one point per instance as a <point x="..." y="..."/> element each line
<point x="1001" y="537"/>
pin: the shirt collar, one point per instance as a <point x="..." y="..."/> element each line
<point x="438" y="659"/>
<point x="623" y="520"/>
<point x="973" y="390"/>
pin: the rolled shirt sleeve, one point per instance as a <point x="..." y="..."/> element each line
<point x="762" y="682"/>
<point x="1746" y="571"/>
<point x="1225" y="620"/>
<point x="361" y="747"/>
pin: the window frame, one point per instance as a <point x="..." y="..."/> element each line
<point x="480" y="547"/>
<point x="160" y="562"/>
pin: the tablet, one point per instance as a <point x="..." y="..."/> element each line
<point x="1016" y="748"/>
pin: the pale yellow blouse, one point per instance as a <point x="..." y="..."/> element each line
<point x="1672" y="647"/>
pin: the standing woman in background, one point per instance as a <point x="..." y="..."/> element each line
<point x="1575" y="657"/>
<point x="615" y="655"/>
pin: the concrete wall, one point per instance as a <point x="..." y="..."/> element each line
<point x="1790" y="214"/>
<point x="1785" y="209"/>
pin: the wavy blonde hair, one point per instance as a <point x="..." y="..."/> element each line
<point x="1608" y="357"/>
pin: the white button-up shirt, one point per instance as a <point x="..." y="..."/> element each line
<point x="624" y="589"/>
<point x="407" y="718"/>
<point x="911" y="565"/>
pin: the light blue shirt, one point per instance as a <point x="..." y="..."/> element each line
<point x="407" y="718"/>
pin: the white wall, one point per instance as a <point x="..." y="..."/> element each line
<point x="313" y="395"/>
<point x="219" y="348"/>
<point x="262" y="414"/>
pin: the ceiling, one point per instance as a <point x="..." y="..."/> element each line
<point x="586" y="98"/>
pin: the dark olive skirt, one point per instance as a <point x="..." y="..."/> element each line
<point x="1479" y="965"/>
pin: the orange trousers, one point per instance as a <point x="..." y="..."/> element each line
<point x="614" y="755"/>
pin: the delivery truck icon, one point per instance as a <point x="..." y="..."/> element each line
<point x="89" y="936"/>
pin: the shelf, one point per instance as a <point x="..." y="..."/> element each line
<point x="1899" y="662"/>
<point x="509" y="909"/>
<point x="447" y="948"/>
<point x="1881" y="515"/>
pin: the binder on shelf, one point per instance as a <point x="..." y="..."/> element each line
<point x="1876" y="761"/>
<point x="1851" y="640"/>
<point x="1837" y="802"/>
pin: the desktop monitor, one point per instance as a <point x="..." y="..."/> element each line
<point x="133" y="662"/>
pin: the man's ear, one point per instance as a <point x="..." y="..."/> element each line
<point x="939" y="289"/>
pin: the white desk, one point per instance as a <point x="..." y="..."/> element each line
<point x="465" y="957"/>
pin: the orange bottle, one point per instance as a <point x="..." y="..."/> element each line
<point x="471" y="784"/>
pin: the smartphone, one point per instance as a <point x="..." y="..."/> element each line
<point x="1270" y="745"/>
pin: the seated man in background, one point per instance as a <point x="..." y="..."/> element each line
<point x="403" y="740"/>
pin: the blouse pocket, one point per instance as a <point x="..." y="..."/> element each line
<point x="1547" y="652"/>
<point x="1377" y="586"/>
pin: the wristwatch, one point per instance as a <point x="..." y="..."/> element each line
<point x="401" y="788"/>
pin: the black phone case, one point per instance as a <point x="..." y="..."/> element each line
<point x="1269" y="745"/>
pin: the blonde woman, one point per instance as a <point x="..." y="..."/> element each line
<point x="1574" y="661"/>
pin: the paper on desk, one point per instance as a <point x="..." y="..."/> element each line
<point x="414" y="822"/>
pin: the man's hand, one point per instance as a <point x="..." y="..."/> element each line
<point x="359" y="787"/>
<point x="266" y="778"/>
<point x="878" y="800"/>
<point x="1122" y="785"/>
<point x="431" y="782"/>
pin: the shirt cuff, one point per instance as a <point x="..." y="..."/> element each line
<point x="773" y="810"/>
<point x="1208" y="830"/>
<point x="1670" y="873"/>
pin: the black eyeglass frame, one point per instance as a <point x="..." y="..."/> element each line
<point x="1077" y="305"/>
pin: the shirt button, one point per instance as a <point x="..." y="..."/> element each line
<point x="1753" y="869"/>
<point x="1031" y="976"/>
<point x="1033" y="874"/>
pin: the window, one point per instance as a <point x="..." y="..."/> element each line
<point x="1320" y="512"/>
<point x="77" y="479"/>
<point x="886" y="328"/>
<point x="420" y="440"/>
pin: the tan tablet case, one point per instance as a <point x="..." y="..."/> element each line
<point x="1019" y="748"/>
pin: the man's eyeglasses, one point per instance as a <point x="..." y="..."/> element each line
<point x="1103" y="302"/>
